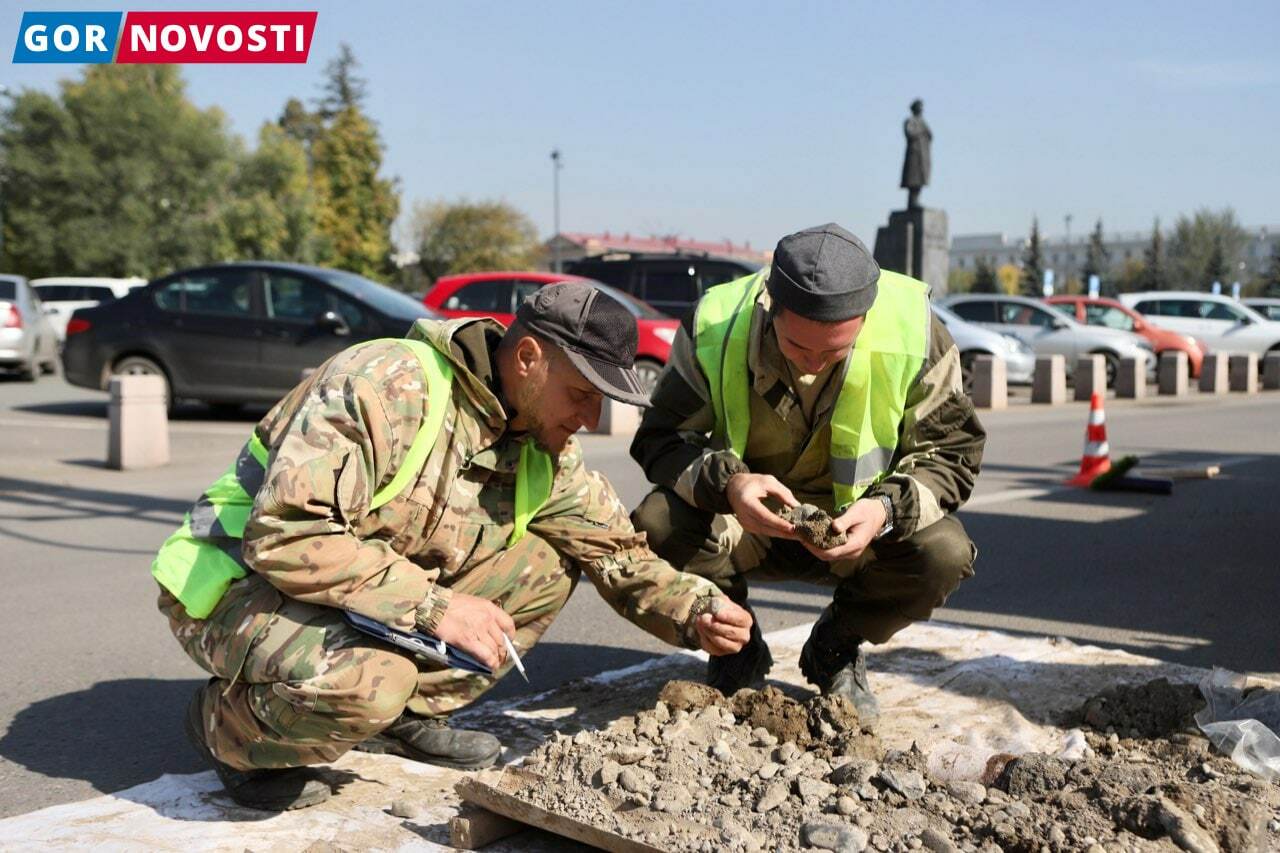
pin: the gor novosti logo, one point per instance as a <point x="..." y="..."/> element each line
<point x="179" y="37"/>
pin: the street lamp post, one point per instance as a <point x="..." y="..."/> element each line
<point x="556" y="166"/>
<point x="1066" y="273"/>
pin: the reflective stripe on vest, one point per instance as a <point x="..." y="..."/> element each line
<point x="202" y="558"/>
<point x="885" y="362"/>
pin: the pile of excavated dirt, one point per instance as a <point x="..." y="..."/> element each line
<point x="761" y="771"/>
<point x="814" y="524"/>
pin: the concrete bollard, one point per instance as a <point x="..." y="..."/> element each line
<point x="617" y="418"/>
<point x="1049" y="384"/>
<point x="990" y="382"/>
<point x="1242" y="372"/>
<point x="1271" y="371"/>
<point x="1131" y="378"/>
<point x="1172" y="374"/>
<point x="138" y="436"/>
<point x="1213" y="374"/>
<point x="1090" y="376"/>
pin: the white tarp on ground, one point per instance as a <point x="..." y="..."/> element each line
<point x="961" y="694"/>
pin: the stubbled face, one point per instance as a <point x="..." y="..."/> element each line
<point x="553" y="399"/>
<point x="813" y="346"/>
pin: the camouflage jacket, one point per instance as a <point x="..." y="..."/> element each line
<point x="932" y="472"/>
<point x="340" y="435"/>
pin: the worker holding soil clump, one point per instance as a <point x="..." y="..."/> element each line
<point x="822" y="380"/>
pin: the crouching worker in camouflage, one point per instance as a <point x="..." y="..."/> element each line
<point x="429" y="484"/>
<point x="825" y="381"/>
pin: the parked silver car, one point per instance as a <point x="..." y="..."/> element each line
<point x="1221" y="322"/>
<point x="28" y="343"/>
<point x="1267" y="306"/>
<point x="973" y="340"/>
<point x="1051" y="332"/>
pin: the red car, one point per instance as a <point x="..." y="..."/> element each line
<point x="497" y="294"/>
<point x="1097" y="311"/>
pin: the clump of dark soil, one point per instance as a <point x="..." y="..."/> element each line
<point x="761" y="771"/>
<point x="814" y="524"/>
<point x="1156" y="709"/>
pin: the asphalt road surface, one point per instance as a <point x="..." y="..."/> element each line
<point x="94" y="685"/>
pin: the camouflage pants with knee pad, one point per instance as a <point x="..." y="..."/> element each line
<point x="295" y="684"/>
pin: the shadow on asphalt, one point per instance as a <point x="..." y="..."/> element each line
<point x="1195" y="571"/>
<point x="114" y="735"/>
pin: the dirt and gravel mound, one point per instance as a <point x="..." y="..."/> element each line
<point x="761" y="771"/>
<point x="1156" y="709"/>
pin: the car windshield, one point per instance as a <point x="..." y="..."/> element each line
<point x="8" y="290"/>
<point x="944" y="313"/>
<point x="379" y="296"/>
<point x="640" y="310"/>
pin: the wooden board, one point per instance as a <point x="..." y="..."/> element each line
<point x="502" y="796"/>
<point x="474" y="827"/>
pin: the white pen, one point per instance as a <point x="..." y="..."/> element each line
<point x="511" y="650"/>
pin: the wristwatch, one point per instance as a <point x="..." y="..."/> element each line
<point x="888" y="515"/>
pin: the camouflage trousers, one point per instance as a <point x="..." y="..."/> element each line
<point x="877" y="594"/>
<point x="295" y="684"/>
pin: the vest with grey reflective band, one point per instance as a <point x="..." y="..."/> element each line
<point x="885" y="363"/>
<point x="200" y="561"/>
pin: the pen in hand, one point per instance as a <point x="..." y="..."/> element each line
<point x="511" y="650"/>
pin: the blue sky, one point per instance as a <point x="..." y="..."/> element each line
<point x="747" y="120"/>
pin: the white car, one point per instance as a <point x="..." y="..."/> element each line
<point x="973" y="340"/>
<point x="27" y="342"/>
<point x="1267" y="306"/>
<point x="63" y="295"/>
<point x="1225" y="325"/>
<point x="1048" y="331"/>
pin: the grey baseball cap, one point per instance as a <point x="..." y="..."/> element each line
<point x="594" y="330"/>
<point x="824" y="274"/>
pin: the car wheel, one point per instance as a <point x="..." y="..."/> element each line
<point x="1113" y="366"/>
<point x="139" y="365"/>
<point x="648" y="370"/>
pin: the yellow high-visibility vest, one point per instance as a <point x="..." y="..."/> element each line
<point x="198" y="570"/>
<point x="884" y="364"/>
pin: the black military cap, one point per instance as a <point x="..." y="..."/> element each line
<point x="594" y="330"/>
<point x="824" y="274"/>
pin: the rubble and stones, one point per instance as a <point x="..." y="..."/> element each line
<point x="806" y="775"/>
<point x="814" y="524"/>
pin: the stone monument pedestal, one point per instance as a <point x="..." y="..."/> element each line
<point x="915" y="243"/>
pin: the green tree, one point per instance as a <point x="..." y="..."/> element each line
<point x="1271" y="281"/>
<point x="118" y="175"/>
<point x="984" y="278"/>
<point x="1031" y="282"/>
<point x="1154" y="275"/>
<point x="959" y="280"/>
<point x="300" y="124"/>
<point x="343" y="90"/>
<point x="357" y="207"/>
<point x="473" y="237"/>
<point x="1205" y="247"/>
<point x="1097" y="259"/>
<point x="272" y="213"/>
<point x="1133" y="276"/>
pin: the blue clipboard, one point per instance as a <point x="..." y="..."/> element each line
<point x="422" y="645"/>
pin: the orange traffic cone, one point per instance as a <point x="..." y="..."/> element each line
<point x="1097" y="453"/>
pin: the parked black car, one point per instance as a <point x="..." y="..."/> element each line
<point x="233" y="333"/>
<point x="672" y="283"/>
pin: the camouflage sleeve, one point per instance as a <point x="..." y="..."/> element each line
<point x="673" y="443"/>
<point x="350" y="428"/>
<point x="586" y="523"/>
<point x="940" y="449"/>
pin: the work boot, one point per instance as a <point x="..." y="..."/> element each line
<point x="839" y="669"/>
<point x="430" y="739"/>
<point x="268" y="789"/>
<point x="746" y="667"/>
